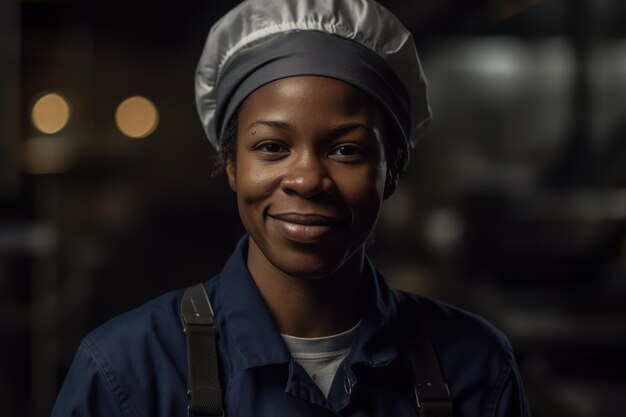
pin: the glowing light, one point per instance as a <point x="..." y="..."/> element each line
<point x="50" y="113"/>
<point x="136" y="117"/>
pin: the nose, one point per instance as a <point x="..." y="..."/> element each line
<point x="307" y="177"/>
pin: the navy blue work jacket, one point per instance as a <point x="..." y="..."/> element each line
<point x="136" y="366"/>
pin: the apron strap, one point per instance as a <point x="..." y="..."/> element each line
<point x="431" y="391"/>
<point x="203" y="383"/>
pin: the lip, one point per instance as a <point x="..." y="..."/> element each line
<point x="301" y="227"/>
<point x="309" y="219"/>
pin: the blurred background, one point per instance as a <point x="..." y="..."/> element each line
<point x="514" y="206"/>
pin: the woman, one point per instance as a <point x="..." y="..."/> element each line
<point x="313" y="106"/>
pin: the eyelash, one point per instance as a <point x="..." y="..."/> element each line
<point x="263" y="147"/>
<point x="268" y="154"/>
<point x="354" y="150"/>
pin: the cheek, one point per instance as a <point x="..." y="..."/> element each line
<point x="364" y="190"/>
<point x="254" y="183"/>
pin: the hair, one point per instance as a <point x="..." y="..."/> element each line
<point x="394" y="154"/>
<point x="228" y="149"/>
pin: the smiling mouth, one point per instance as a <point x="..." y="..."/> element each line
<point x="307" y="219"/>
<point x="306" y="227"/>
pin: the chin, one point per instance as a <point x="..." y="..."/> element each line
<point x="307" y="272"/>
<point x="314" y="265"/>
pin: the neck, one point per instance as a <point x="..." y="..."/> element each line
<point x="309" y="307"/>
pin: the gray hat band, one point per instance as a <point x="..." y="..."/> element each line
<point x="313" y="53"/>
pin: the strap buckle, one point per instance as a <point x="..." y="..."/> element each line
<point x="433" y="396"/>
<point x="196" y="309"/>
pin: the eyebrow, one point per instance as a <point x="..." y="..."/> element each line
<point x="270" y="123"/>
<point x="340" y="130"/>
<point x="336" y="131"/>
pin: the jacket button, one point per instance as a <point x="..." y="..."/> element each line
<point x="348" y="385"/>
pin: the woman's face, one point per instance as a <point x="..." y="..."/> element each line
<point x="310" y="174"/>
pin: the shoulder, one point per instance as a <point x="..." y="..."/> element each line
<point x="452" y="327"/>
<point x="152" y="326"/>
<point x="134" y="364"/>
<point x="140" y="357"/>
<point x="153" y="322"/>
<point x="114" y="372"/>
<point x="148" y="335"/>
<point x="133" y="347"/>
<point x="476" y="358"/>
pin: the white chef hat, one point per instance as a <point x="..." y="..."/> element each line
<point x="356" y="41"/>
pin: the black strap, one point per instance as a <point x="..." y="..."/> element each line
<point x="203" y="381"/>
<point x="431" y="391"/>
<point x="432" y="395"/>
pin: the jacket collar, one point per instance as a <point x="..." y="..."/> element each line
<point x="375" y="339"/>
<point x="253" y="333"/>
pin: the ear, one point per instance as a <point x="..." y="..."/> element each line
<point x="231" y="172"/>
<point x="391" y="183"/>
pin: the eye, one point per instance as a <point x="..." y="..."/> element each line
<point x="347" y="151"/>
<point x="271" y="149"/>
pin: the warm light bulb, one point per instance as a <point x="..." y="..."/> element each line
<point x="50" y="113"/>
<point x="136" y="117"/>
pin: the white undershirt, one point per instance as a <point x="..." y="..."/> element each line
<point x="321" y="356"/>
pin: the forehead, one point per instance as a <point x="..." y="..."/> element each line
<point x="315" y="97"/>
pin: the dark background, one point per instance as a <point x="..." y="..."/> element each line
<point x="515" y="206"/>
